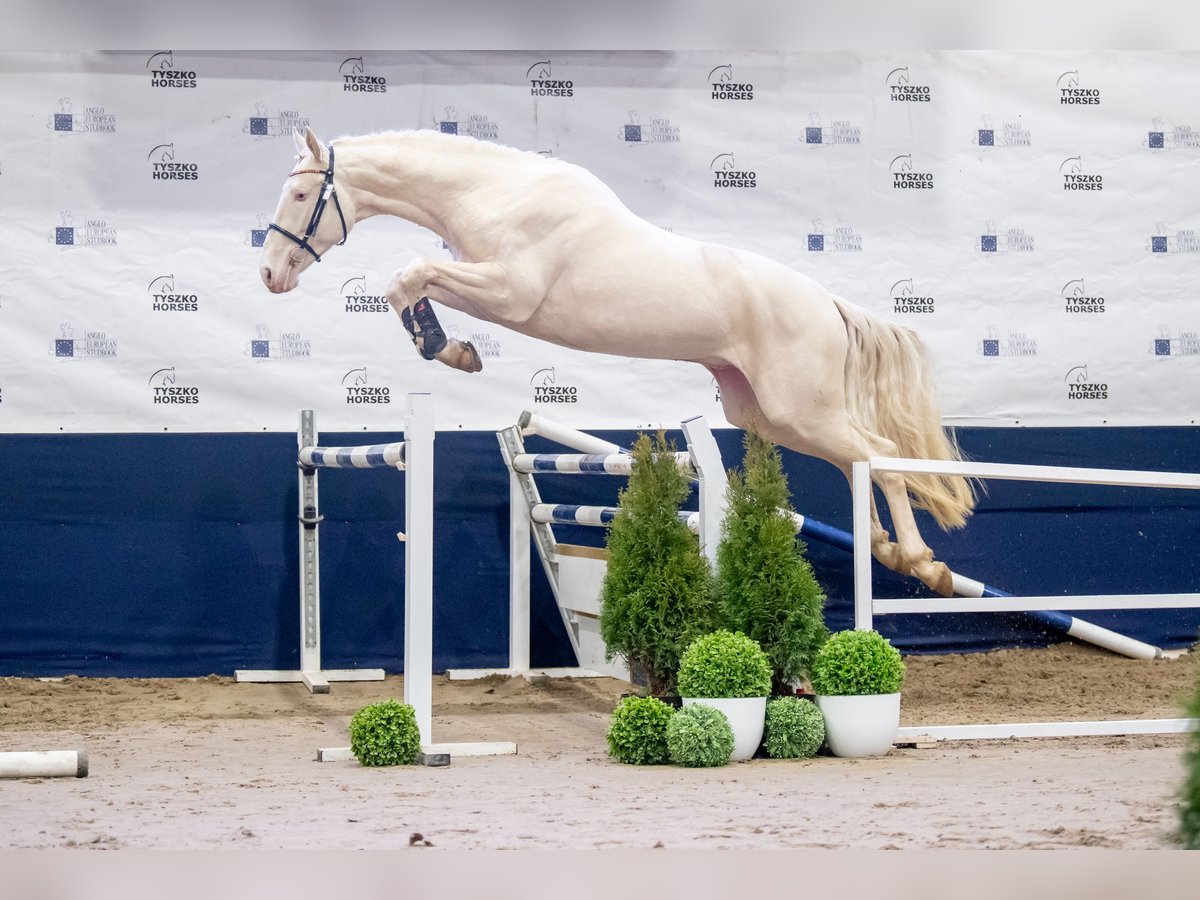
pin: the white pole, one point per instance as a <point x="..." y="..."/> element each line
<point x="531" y="423"/>
<point x="518" y="576"/>
<point x="706" y="460"/>
<point x="861" y="510"/>
<point x="418" y="562"/>
<point x="43" y="763"/>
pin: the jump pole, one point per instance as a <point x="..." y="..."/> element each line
<point x="43" y="764"/>
<point x="1071" y="626"/>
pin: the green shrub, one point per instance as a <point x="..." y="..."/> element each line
<point x="1189" y="810"/>
<point x="857" y="662"/>
<point x="637" y="733"/>
<point x="764" y="584"/>
<point x="795" y="728"/>
<point x="385" y="734"/>
<point x="656" y="594"/>
<point x="699" y="736"/>
<point x="724" y="664"/>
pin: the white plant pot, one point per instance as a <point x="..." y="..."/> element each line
<point x="860" y="726"/>
<point x="746" y="716"/>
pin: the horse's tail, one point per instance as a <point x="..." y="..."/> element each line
<point x="890" y="393"/>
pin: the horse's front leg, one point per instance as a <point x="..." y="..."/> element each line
<point x="409" y="291"/>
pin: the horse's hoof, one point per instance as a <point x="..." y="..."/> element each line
<point x="461" y="355"/>
<point x="474" y="364"/>
<point x="940" y="579"/>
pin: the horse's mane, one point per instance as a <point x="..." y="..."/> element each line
<point x="456" y="142"/>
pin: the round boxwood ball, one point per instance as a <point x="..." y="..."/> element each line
<point x="385" y="734"/>
<point x="699" y="736"/>
<point x="637" y="733"/>
<point x="795" y="728"/>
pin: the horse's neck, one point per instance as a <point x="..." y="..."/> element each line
<point x="411" y="175"/>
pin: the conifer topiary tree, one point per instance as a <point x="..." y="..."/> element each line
<point x="765" y="586"/>
<point x="657" y="591"/>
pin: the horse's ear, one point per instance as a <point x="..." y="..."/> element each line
<point x="298" y="140"/>
<point x="306" y="142"/>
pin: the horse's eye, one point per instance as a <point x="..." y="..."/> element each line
<point x="300" y="197"/>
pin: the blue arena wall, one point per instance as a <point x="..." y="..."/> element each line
<point x="176" y="554"/>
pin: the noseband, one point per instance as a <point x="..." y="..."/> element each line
<point x="327" y="192"/>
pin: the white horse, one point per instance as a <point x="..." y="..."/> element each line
<point x="544" y="248"/>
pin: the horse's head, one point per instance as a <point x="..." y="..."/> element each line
<point x="311" y="217"/>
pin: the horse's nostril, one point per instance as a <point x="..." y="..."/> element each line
<point x="267" y="273"/>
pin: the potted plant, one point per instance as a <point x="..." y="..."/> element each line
<point x="637" y="732"/>
<point x="765" y="586"/>
<point x="657" y="590"/>
<point x="729" y="672"/>
<point x="856" y="677"/>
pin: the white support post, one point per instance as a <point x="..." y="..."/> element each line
<point x="706" y="460"/>
<point x="518" y="575"/>
<point x="418" y="562"/>
<point x="861" y="499"/>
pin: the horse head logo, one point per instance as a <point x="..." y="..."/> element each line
<point x="162" y="153"/>
<point x="987" y="121"/>
<point x="66" y="330"/>
<point x="451" y="114"/>
<point x="543" y="377"/>
<point x="905" y="163"/>
<point x="989" y="227"/>
<point x="163" y="283"/>
<point x="543" y="70"/>
<point x="67" y="219"/>
<point x="260" y="109"/>
<point x="906" y="288"/>
<point x="164" y="377"/>
<point x="355" y="69"/>
<point x="1072" y="77"/>
<point x="814" y="120"/>
<point x="1073" y="164"/>
<point x="1074" y="287"/>
<point x="65" y="105"/>
<point x="360" y="285"/>
<point x="263" y="331"/>
<point x="635" y="117"/>
<point x="162" y="60"/>
<point x="726" y="162"/>
<point x="1077" y="375"/>
<point x="355" y="377"/>
<point x="897" y="76"/>
<point x="1164" y="331"/>
<point x="724" y="74"/>
<point x="818" y="226"/>
<point x="993" y="332"/>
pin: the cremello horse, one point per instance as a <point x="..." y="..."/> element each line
<point x="544" y="248"/>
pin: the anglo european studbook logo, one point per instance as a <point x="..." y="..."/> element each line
<point x="902" y="88"/>
<point x="907" y="300"/>
<point x="999" y="239"/>
<point x="94" y="232"/>
<point x="547" y="389"/>
<point x="1081" y="386"/>
<point x="543" y="83"/>
<point x="659" y="130"/>
<point x="359" y="299"/>
<point x="357" y="80"/>
<point x="1014" y="343"/>
<point x="726" y="173"/>
<point x="359" y="389"/>
<point x="1173" y="240"/>
<point x="290" y="345"/>
<point x="263" y="125"/>
<point x="1187" y="344"/>
<point x="165" y="298"/>
<point x="1077" y="299"/>
<point x="486" y="346"/>
<point x="1075" y="178"/>
<point x="90" y="120"/>
<point x="167" y="391"/>
<point x="1166" y="135"/>
<point x="256" y="236"/>
<point x="477" y="125"/>
<point x="1008" y="135"/>
<point x="1072" y="92"/>
<point x="839" y="133"/>
<point x="93" y="344"/>
<point x="165" y="167"/>
<point x="904" y="177"/>
<point x="164" y="73"/>
<point x="843" y="239"/>
<point x="723" y="85"/>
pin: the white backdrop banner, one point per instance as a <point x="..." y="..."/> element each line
<point x="1032" y="216"/>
